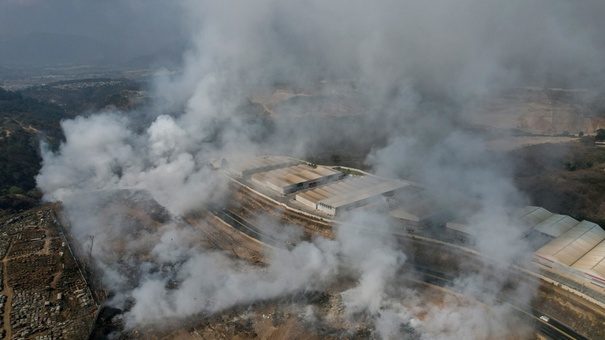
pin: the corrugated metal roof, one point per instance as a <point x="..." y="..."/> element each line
<point x="347" y="186"/>
<point x="417" y="211"/>
<point x="339" y="188"/>
<point x="308" y="175"/>
<point x="324" y="171"/>
<point x="593" y="262"/>
<point x="317" y="197"/>
<point x="524" y="211"/>
<point x="259" y="177"/>
<point x="320" y="191"/>
<point x="574" y="243"/>
<point x="364" y="193"/>
<point x="294" y="178"/>
<point x="308" y="196"/>
<point x="556" y="225"/>
<point x="331" y="191"/>
<point x="351" y="190"/>
<point x="251" y="164"/>
<point x="284" y="177"/>
<point x="532" y="215"/>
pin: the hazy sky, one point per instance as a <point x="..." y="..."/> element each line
<point x="533" y="37"/>
<point x="130" y="25"/>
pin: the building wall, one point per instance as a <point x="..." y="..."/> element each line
<point x="580" y="274"/>
<point x="460" y="237"/>
<point x="543" y="261"/>
<point x="594" y="279"/>
<point x="258" y="184"/>
<point x="276" y="188"/>
<point x="326" y="209"/>
<point x="306" y="202"/>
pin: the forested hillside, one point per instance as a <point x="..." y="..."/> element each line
<point x="24" y="122"/>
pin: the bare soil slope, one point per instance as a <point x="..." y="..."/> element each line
<point x="564" y="178"/>
<point x="540" y="112"/>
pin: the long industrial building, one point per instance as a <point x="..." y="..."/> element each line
<point x="319" y="188"/>
<point x="349" y="193"/>
<point x="248" y="166"/>
<point x="546" y="223"/>
<point x="295" y="178"/>
<point x="541" y="226"/>
<point x="566" y="244"/>
<point x="563" y="243"/>
<point x="421" y="213"/>
<point x="578" y="250"/>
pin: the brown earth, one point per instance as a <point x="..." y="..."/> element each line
<point x="573" y="311"/>
<point x="538" y="111"/>
<point x="219" y="235"/>
<point x="563" y="178"/>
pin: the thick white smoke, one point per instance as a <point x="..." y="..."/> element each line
<point x="417" y="69"/>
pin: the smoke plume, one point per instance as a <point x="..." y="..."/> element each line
<point x="411" y="71"/>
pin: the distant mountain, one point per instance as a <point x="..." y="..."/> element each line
<point x="77" y="96"/>
<point x="51" y="49"/>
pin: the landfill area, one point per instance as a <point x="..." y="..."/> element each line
<point x="43" y="294"/>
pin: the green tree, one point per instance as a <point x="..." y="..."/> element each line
<point x="600" y="135"/>
<point x="336" y="159"/>
<point x="15" y="191"/>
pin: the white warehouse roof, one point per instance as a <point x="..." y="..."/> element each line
<point x="284" y="177"/>
<point x="347" y="198"/>
<point x="572" y="245"/>
<point x="532" y="215"/>
<point x="417" y="211"/>
<point x="547" y="223"/>
<point x="593" y="262"/>
<point x="251" y="165"/>
<point x="556" y="225"/>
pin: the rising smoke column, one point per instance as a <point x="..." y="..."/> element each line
<point x="417" y="67"/>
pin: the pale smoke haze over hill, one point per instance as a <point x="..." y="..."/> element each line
<point x="417" y="66"/>
<point x="72" y="32"/>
